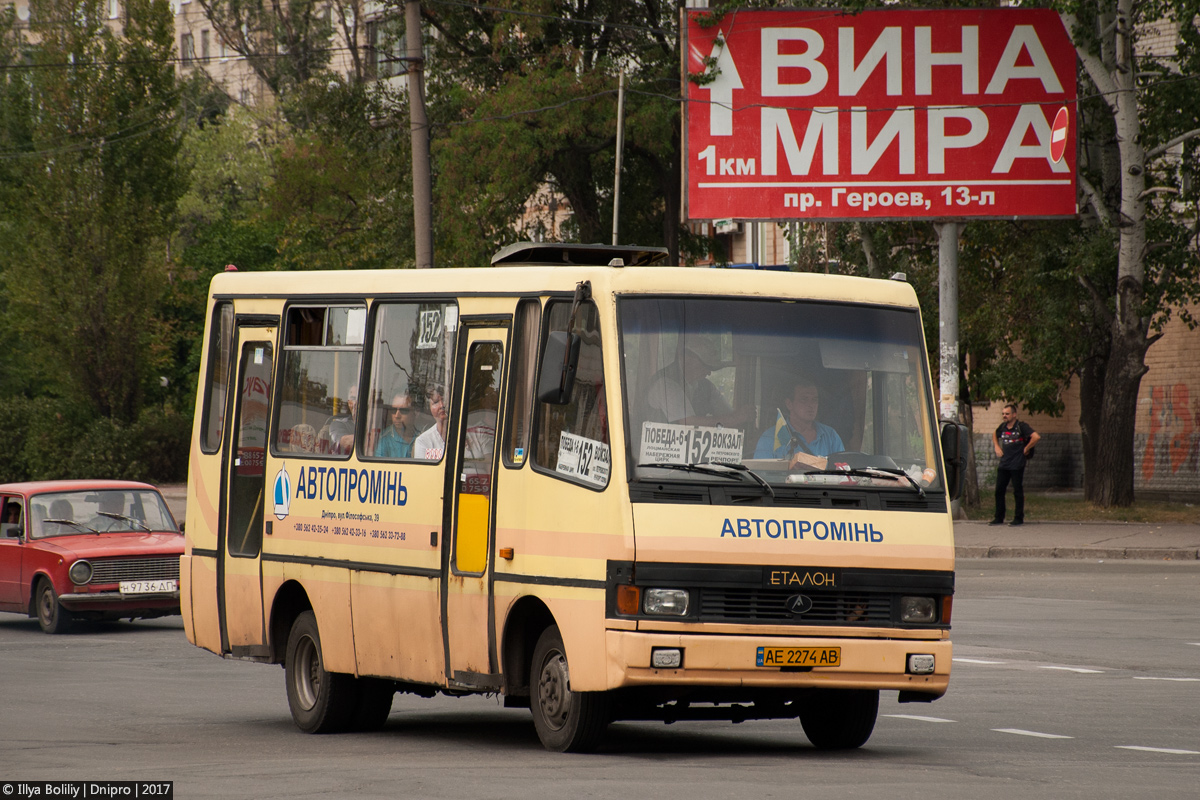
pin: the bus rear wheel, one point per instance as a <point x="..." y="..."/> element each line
<point x="840" y="719"/>
<point x="320" y="701"/>
<point x="566" y="721"/>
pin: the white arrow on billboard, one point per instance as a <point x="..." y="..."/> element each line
<point x="720" y="112"/>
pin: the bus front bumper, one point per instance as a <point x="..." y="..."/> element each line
<point x="733" y="661"/>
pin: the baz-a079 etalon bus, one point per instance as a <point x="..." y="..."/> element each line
<point x="608" y="492"/>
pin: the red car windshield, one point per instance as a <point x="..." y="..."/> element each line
<point x="99" y="511"/>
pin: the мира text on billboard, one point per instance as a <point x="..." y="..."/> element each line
<point x="879" y="115"/>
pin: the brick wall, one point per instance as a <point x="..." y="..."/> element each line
<point x="1166" y="447"/>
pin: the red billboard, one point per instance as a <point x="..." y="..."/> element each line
<point x="879" y="115"/>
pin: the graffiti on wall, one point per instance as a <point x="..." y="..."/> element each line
<point x="1174" y="440"/>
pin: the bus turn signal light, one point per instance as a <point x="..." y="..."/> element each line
<point x="629" y="600"/>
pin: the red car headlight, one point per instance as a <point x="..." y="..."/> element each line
<point x="80" y="572"/>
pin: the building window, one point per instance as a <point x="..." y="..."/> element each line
<point x="187" y="50"/>
<point x="204" y="45"/>
<point x="383" y="50"/>
<point x="114" y="9"/>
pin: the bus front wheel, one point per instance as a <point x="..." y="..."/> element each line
<point x="840" y="719"/>
<point x="566" y="721"/>
<point x="320" y="701"/>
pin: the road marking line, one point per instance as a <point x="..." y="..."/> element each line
<point x="917" y="718"/>
<point x="1179" y="680"/>
<point x="1158" y="750"/>
<point x="1020" y="732"/>
<point x="974" y="661"/>
<point x="1080" y="670"/>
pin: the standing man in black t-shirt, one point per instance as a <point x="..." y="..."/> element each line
<point x="1013" y="440"/>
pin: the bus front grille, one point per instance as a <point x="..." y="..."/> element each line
<point x="771" y="606"/>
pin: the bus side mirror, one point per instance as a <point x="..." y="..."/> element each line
<point x="560" y="359"/>
<point x="954" y="456"/>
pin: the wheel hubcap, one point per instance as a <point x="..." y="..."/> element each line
<point x="554" y="696"/>
<point x="308" y="673"/>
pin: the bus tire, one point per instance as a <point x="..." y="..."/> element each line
<point x="840" y="719"/>
<point x="566" y="721"/>
<point x="374" y="704"/>
<point x="51" y="616"/>
<point x="320" y="701"/>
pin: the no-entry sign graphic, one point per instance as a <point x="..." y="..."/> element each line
<point x="879" y="115"/>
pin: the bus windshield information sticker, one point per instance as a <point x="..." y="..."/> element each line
<point x="584" y="459"/>
<point x="665" y="443"/>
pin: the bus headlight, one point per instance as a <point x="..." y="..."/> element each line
<point x="666" y="602"/>
<point x="80" y="572"/>
<point x="918" y="609"/>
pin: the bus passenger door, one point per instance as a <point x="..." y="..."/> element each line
<point x="240" y="532"/>
<point x="467" y="594"/>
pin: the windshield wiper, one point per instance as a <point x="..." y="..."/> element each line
<point x="720" y="470"/>
<point x="124" y="518"/>
<point x="87" y="528"/>
<point x="874" y="472"/>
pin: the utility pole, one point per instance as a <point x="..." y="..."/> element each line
<point x="948" y="317"/>
<point x="620" y="152"/>
<point x="422" y="189"/>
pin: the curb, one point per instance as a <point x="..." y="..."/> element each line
<point x="1112" y="554"/>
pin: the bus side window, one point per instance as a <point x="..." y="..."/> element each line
<point x="524" y="372"/>
<point x="318" y="392"/>
<point x="216" y="377"/>
<point x="572" y="439"/>
<point x="411" y="349"/>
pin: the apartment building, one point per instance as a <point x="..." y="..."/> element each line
<point x="361" y="45"/>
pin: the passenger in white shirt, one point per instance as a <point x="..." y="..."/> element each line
<point x="431" y="444"/>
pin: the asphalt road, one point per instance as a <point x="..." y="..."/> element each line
<point x="1072" y="679"/>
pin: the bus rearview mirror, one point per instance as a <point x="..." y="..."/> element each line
<point x="560" y="358"/>
<point x="954" y="455"/>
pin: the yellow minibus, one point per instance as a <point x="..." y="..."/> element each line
<point x="601" y="488"/>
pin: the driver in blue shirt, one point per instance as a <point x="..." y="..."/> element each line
<point x="799" y="432"/>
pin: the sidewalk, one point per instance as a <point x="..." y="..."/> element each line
<point x="1095" y="540"/>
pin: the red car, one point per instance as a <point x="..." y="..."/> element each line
<point x="87" y="550"/>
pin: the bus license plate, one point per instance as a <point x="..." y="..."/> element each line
<point x="148" y="587"/>
<point x="799" y="657"/>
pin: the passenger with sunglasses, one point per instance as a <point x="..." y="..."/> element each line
<point x="397" y="440"/>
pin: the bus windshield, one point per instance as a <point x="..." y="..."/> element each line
<point x="828" y="394"/>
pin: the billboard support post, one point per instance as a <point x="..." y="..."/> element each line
<point x="948" y="233"/>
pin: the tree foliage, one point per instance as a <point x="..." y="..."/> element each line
<point x="527" y="96"/>
<point x="89" y="196"/>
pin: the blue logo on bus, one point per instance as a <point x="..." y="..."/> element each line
<point x="283" y="493"/>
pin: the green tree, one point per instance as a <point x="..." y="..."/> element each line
<point x="1140" y="120"/>
<point x="340" y="197"/>
<point x="90" y="198"/>
<point x="527" y="96"/>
